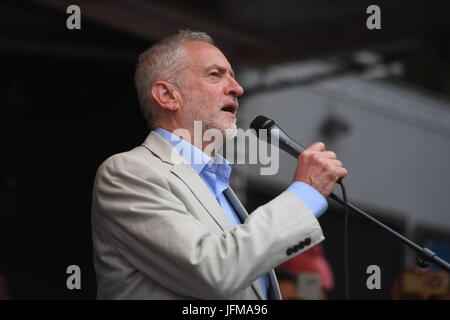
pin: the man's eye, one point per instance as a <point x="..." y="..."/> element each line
<point x="214" y="74"/>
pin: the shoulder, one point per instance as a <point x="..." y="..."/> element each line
<point x="139" y="162"/>
<point x="135" y="158"/>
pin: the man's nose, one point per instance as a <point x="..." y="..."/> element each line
<point x="234" y="88"/>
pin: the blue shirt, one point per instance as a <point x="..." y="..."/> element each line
<point x="216" y="174"/>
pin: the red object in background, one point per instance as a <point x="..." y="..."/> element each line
<point x="312" y="260"/>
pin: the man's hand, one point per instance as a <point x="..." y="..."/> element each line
<point x="319" y="168"/>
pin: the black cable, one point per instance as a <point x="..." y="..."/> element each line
<point x="346" y="278"/>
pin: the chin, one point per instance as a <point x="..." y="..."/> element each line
<point x="228" y="127"/>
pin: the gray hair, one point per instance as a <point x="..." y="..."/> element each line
<point x="162" y="61"/>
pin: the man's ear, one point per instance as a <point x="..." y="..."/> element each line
<point x="165" y="95"/>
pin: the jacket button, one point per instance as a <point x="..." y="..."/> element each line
<point x="289" y="251"/>
<point x="307" y="241"/>
<point x="301" y="245"/>
<point x="296" y="247"/>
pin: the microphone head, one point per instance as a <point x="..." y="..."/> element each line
<point x="261" y="122"/>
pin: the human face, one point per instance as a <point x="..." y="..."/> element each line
<point x="210" y="91"/>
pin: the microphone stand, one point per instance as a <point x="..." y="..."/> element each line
<point x="293" y="148"/>
<point x="425" y="255"/>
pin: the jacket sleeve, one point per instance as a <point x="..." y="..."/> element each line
<point x="152" y="230"/>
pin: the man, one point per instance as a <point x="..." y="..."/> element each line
<point x="167" y="227"/>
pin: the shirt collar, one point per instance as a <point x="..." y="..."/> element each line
<point x="195" y="157"/>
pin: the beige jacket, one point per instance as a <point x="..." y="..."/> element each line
<point x="159" y="232"/>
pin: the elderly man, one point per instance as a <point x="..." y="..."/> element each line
<point x="167" y="227"/>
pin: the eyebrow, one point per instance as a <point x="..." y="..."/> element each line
<point x="220" y="68"/>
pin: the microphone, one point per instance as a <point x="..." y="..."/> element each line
<point x="286" y="143"/>
<point x="294" y="148"/>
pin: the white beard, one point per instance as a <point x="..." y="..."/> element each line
<point x="230" y="133"/>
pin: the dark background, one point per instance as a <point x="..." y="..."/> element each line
<point x="62" y="119"/>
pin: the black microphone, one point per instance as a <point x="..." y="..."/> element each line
<point x="285" y="142"/>
<point x="294" y="148"/>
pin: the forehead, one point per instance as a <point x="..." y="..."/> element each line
<point x="202" y="55"/>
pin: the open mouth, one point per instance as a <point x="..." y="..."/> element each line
<point x="231" y="108"/>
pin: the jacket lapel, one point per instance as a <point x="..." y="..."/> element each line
<point x="204" y="195"/>
<point x="161" y="148"/>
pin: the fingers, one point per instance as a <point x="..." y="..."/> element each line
<point x="318" y="146"/>
<point x="313" y="151"/>
<point x="341" y="172"/>
<point x="334" y="169"/>
<point x="329" y="155"/>
<point x="327" y="162"/>
<point x="319" y="168"/>
<point x="319" y="149"/>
